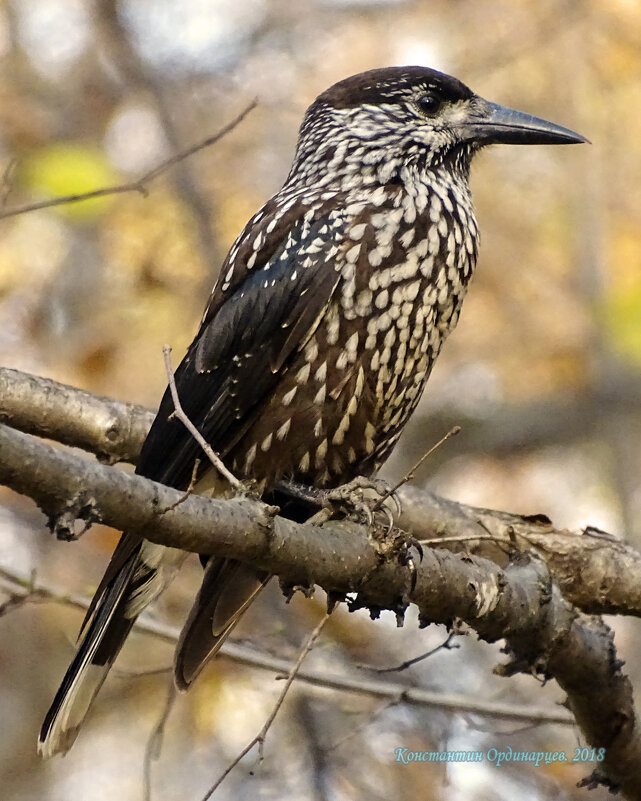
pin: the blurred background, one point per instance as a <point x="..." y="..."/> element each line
<point x="543" y="372"/>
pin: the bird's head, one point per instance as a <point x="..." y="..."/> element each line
<point x="389" y="117"/>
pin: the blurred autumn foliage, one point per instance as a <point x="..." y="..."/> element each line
<point x="543" y="372"/>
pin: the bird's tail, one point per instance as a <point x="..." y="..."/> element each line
<point x="228" y="588"/>
<point x="138" y="572"/>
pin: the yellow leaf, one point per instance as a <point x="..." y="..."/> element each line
<point x="69" y="168"/>
<point x="621" y="311"/>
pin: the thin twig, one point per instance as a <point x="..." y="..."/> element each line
<point x="179" y="413"/>
<point x="369" y="719"/>
<point x="7" y="182"/>
<point x="139" y="185"/>
<point x="460" y="538"/>
<point x="499" y="542"/>
<point x="445" y="645"/>
<point x="188" y="491"/>
<point x="122" y="673"/>
<point x="412" y="471"/>
<point x="154" y="743"/>
<point x="210" y="140"/>
<point x="18" y="585"/>
<point x="16" y="600"/>
<point x="259" y="739"/>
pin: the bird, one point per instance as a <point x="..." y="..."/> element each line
<point x="317" y="340"/>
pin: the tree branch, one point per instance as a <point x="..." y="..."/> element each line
<point x="23" y="589"/>
<point x="595" y="571"/>
<point x="579" y="561"/>
<point x="544" y="634"/>
<point x="114" y="431"/>
<point x="140" y="184"/>
<point x="259" y="739"/>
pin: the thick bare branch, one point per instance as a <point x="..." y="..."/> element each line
<point x="519" y="603"/>
<point x="595" y="572"/>
<point x="113" y="430"/>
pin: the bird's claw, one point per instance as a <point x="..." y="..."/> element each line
<point x="353" y="498"/>
<point x="406" y="559"/>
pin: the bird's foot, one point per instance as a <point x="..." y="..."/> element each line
<point x="362" y="498"/>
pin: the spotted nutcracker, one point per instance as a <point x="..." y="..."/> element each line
<point x="317" y="340"/>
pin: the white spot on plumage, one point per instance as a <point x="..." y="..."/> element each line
<point x="351" y="346"/>
<point x="311" y="350"/>
<point x="302" y="376"/>
<point x="407" y="237"/>
<point x="409" y="210"/>
<point x="384" y="321"/>
<point x="364" y="302"/>
<point x="378" y="197"/>
<point x="410" y="291"/>
<point x="337" y="463"/>
<point x="352" y="254"/>
<point x="333" y="326"/>
<point x="249" y="458"/>
<point x="339" y="434"/>
<point x="321" y="453"/>
<point x="421" y="248"/>
<point x="284" y="429"/>
<point x="427" y="266"/>
<point x="375" y="257"/>
<point x="382" y="299"/>
<point x="341" y="360"/>
<point x="288" y="397"/>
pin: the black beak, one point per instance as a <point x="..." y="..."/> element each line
<point x="490" y="124"/>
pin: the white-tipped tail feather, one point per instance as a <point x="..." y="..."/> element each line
<point x="136" y="582"/>
<point x="83" y="678"/>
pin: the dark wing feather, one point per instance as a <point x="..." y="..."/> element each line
<point x="234" y="362"/>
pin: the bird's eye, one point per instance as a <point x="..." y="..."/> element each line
<point x="430" y="104"/>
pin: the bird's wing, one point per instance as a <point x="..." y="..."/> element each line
<point x="242" y="345"/>
<point x="252" y="326"/>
